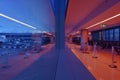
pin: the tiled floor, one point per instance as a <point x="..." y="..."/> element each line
<point x="99" y="67"/>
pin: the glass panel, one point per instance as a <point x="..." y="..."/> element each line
<point x="100" y="35"/>
<point x="103" y="34"/>
<point x="24" y="27"/>
<point x="111" y="34"/>
<point x="95" y="36"/>
<point x="116" y="34"/>
<point x="106" y="35"/>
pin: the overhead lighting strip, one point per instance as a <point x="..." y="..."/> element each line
<point x="103" y="21"/>
<point x="15" y="20"/>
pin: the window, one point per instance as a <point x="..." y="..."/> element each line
<point x="95" y="36"/>
<point x="111" y="34"/>
<point x="103" y="34"/>
<point x="100" y="35"/>
<point x="106" y="35"/>
<point x="116" y="34"/>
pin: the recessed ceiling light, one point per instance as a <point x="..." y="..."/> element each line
<point x="15" y="20"/>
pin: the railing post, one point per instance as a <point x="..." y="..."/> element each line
<point x="112" y="64"/>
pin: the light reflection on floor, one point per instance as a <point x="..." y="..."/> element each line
<point x="98" y="67"/>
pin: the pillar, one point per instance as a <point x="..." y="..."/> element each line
<point x="60" y="6"/>
<point x="84" y="38"/>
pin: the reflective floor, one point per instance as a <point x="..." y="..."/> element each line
<point x="99" y="67"/>
<point x="48" y="64"/>
<point x="72" y="64"/>
<point x="17" y="60"/>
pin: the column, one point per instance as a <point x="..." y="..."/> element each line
<point x="59" y="24"/>
<point x="84" y="38"/>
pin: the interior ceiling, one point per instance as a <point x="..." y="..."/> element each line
<point x="84" y="13"/>
<point x="38" y="13"/>
<point x="114" y="10"/>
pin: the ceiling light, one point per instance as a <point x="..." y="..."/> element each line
<point x="103" y="21"/>
<point x="15" y="20"/>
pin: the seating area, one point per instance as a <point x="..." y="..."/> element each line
<point x="105" y="44"/>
